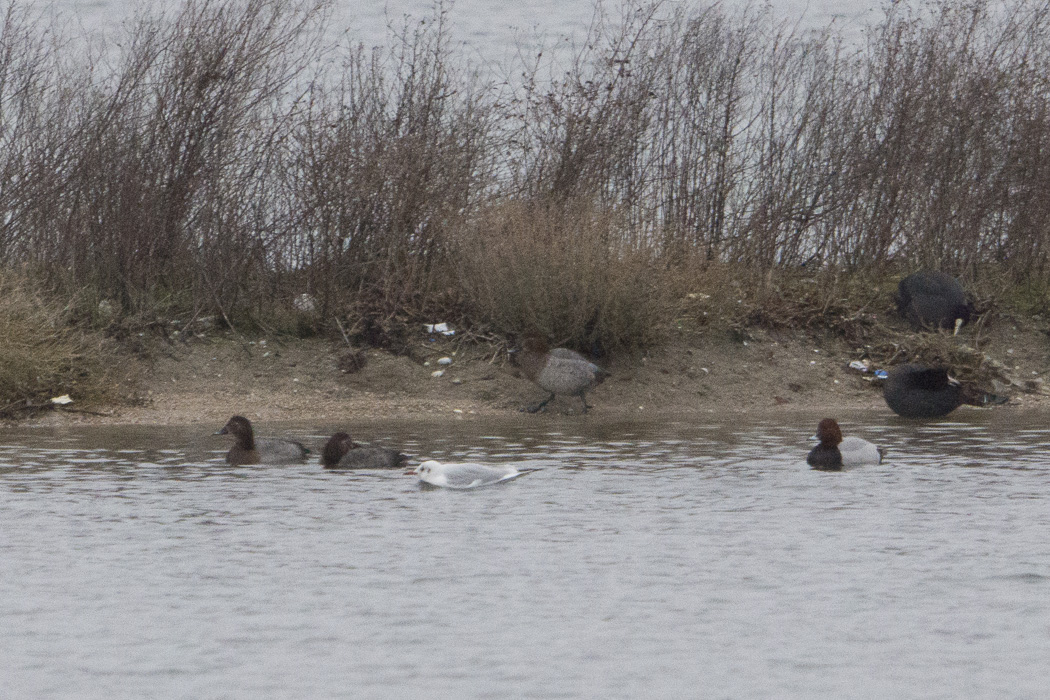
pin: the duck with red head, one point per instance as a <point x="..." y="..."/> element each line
<point x="251" y="450"/>
<point x="341" y="452"/>
<point x="558" y="371"/>
<point x="835" y="453"/>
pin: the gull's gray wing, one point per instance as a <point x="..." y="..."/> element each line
<point x="463" y="476"/>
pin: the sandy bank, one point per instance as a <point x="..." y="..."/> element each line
<point x="208" y="379"/>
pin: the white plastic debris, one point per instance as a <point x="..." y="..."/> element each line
<point x="62" y="400"/>
<point x="445" y="361"/>
<point x="305" y="303"/>
<point x="441" y="328"/>
<point x="860" y="365"/>
<point x="437" y="373"/>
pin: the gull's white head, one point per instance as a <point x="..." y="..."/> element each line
<point x="427" y="469"/>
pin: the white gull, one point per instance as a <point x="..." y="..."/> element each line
<point x="465" y="476"/>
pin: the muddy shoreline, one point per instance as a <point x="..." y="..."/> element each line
<point x="696" y="375"/>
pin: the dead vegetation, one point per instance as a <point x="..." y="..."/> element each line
<point x="44" y="357"/>
<point x="221" y="162"/>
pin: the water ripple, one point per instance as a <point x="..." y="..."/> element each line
<point x="136" y="559"/>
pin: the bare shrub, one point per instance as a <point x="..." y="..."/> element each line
<point x="951" y="108"/>
<point x="576" y="135"/>
<point x="389" y="161"/>
<point x="218" y="166"/>
<point x="563" y="270"/>
<point x="38" y="93"/>
<point x="165" y="201"/>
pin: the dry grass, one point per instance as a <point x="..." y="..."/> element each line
<point x="856" y="308"/>
<point x="563" y="270"/>
<point x="218" y="167"/>
<point x="43" y="356"/>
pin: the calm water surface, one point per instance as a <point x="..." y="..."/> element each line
<point x="491" y="31"/>
<point x="670" y="560"/>
<point x="657" y="561"/>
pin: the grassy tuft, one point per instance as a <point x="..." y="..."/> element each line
<point x="42" y="356"/>
<point x="563" y="270"/>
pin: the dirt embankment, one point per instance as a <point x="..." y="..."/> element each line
<point x="712" y="372"/>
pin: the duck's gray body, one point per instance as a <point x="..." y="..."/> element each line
<point x="249" y="449"/>
<point x="560" y="371"/>
<point x="836" y="453"/>
<point x="280" y="451"/>
<point x="371" y="458"/>
<point x="341" y="452"/>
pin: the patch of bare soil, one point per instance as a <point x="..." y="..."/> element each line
<point x="699" y="374"/>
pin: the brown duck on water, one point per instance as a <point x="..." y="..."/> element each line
<point x="341" y="452"/>
<point x="251" y="450"/>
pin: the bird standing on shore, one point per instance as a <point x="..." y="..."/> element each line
<point x="558" y="371"/>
